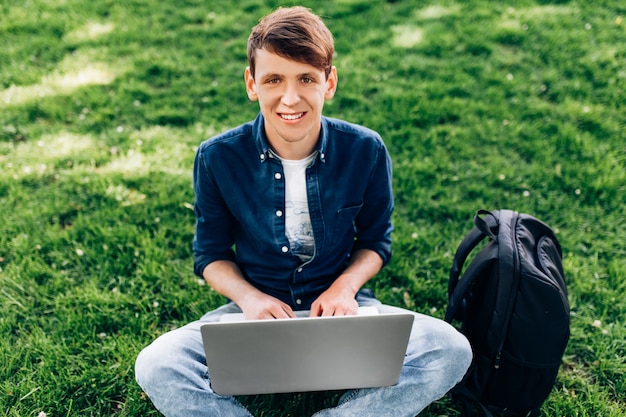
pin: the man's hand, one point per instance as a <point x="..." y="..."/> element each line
<point x="335" y="301"/>
<point x="226" y="278"/>
<point x="340" y="298"/>
<point x="260" y="306"/>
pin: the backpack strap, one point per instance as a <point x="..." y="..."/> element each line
<point x="481" y="229"/>
<point x="500" y="226"/>
<point x="489" y="229"/>
<point x="509" y="280"/>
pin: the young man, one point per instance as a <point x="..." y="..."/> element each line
<point x="306" y="201"/>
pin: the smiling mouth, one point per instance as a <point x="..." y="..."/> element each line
<point x="293" y="116"/>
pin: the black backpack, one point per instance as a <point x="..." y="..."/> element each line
<point x="512" y="306"/>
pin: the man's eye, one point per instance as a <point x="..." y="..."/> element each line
<point x="307" y="80"/>
<point x="273" y="81"/>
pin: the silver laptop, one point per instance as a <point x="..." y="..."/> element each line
<point x="305" y="354"/>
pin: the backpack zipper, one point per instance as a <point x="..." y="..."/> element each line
<point x="496" y="364"/>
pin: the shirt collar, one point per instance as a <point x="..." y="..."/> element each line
<point x="263" y="146"/>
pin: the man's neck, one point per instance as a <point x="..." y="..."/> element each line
<point x="294" y="152"/>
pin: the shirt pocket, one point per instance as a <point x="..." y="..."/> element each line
<point x="344" y="229"/>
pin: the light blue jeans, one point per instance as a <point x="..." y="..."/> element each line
<point x="172" y="372"/>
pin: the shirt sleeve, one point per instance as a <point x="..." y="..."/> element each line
<point x="213" y="239"/>
<point x="373" y="223"/>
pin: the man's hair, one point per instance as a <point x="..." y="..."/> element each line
<point x="294" y="33"/>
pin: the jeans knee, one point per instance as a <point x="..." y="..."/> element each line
<point x="150" y="368"/>
<point x="438" y="345"/>
<point x="459" y="352"/>
<point x="144" y="367"/>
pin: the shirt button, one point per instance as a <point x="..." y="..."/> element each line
<point x="262" y="156"/>
<point x="299" y="269"/>
<point x="298" y="301"/>
<point x="279" y="213"/>
<point x="285" y="249"/>
<point x="278" y="176"/>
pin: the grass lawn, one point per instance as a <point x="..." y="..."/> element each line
<point x="516" y="104"/>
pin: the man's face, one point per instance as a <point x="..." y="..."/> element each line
<point x="291" y="96"/>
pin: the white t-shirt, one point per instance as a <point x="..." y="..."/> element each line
<point x="297" y="220"/>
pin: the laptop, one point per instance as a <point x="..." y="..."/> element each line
<point x="305" y="354"/>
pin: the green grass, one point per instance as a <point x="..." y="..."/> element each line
<point x="482" y="105"/>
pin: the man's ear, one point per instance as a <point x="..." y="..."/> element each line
<point x="250" y="86"/>
<point x="331" y="84"/>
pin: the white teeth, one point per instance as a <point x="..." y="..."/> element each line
<point x="291" y="116"/>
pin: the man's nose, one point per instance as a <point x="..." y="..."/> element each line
<point x="291" y="96"/>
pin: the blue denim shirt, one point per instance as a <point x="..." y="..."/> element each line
<point x="240" y="201"/>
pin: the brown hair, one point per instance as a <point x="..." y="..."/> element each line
<point x="294" y="33"/>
